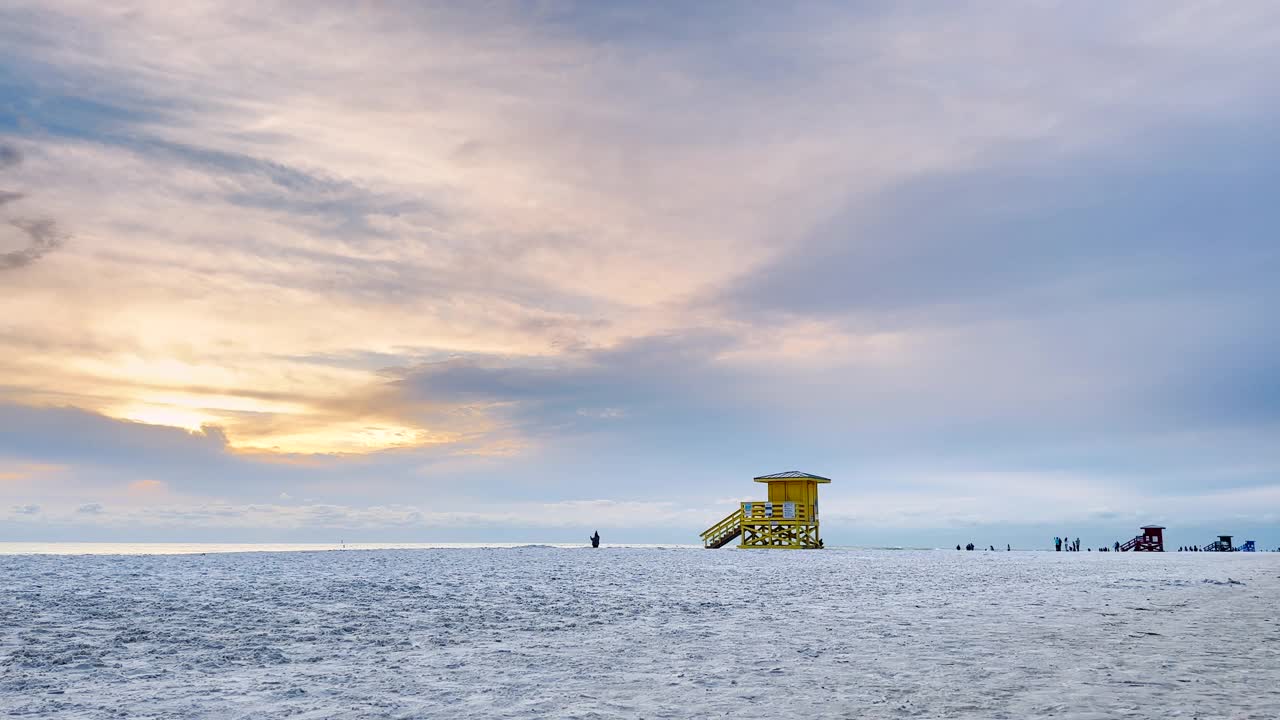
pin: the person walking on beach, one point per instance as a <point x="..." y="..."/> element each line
<point x="595" y="539"/>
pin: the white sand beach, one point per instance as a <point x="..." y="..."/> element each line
<point x="655" y="633"/>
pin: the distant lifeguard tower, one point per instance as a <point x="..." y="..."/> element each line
<point x="1222" y="544"/>
<point x="1151" y="540"/>
<point x="788" y="520"/>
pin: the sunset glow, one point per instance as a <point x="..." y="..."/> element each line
<point x="516" y="255"/>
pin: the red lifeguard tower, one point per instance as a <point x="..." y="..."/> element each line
<point x="1151" y="540"/>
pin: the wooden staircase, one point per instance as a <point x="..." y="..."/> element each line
<point x="720" y="534"/>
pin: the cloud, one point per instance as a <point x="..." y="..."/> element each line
<point x="214" y="434"/>
<point x="147" y="487"/>
<point x="105" y="457"/>
<point x="602" y="413"/>
<point x="324" y="516"/>
<point x="77" y="435"/>
<point x="29" y="509"/>
<point x="635" y="380"/>
<point x="42" y="236"/>
<point x="25" y="471"/>
<point x="9" y="156"/>
<point x="1029" y="235"/>
<point x="463" y="248"/>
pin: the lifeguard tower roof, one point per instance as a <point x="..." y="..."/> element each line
<point x="1153" y="527"/>
<point x="792" y="475"/>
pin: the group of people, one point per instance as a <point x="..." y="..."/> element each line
<point x="990" y="548"/>
<point x="1060" y="544"/>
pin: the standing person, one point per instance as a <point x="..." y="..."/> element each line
<point x="595" y="539"/>
<point x="1008" y="548"/>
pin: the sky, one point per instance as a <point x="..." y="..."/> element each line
<point x="521" y="271"/>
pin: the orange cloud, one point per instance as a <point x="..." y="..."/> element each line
<point x="27" y="471"/>
<point x="147" y="487"/>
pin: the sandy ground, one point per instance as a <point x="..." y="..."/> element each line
<point x="650" y="633"/>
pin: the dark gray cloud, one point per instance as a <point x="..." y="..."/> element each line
<point x="1073" y="313"/>
<point x="1091" y="393"/>
<point x="110" y="453"/>
<point x="649" y="381"/>
<point x="42" y="237"/>
<point x="69" y="434"/>
<point x="9" y="156"/>
<point x="1189" y="210"/>
<point x="346" y="207"/>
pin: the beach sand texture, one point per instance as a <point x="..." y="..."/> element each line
<point x="655" y="633"/>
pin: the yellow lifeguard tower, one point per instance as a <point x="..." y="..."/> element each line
<point x="788" y="520"/>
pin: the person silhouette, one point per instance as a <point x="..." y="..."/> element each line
<point x="595" y="539"/>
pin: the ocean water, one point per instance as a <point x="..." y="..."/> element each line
<point x="541" y="631"/>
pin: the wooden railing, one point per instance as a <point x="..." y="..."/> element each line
<point x="756" y="515"/>
<point x="783" y="512"/>
<point x="722" y="532"/>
